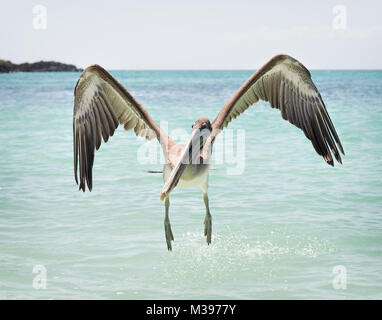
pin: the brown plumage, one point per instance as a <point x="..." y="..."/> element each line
<point x="101" y="103"/>
<point x="287" y="85"/>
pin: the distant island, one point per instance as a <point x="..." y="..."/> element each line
<point x="41" y="66"/>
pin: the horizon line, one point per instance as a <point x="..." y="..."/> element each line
<point x="241" y="69"/>
<point x="318" y="69"/>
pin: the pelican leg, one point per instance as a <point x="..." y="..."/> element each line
<point x="207" y="220"/>
<point x="167" y="226"/>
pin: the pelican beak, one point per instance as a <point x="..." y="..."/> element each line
<point x="191" y="154"/>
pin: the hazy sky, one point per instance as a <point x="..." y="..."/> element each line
<point x="165" y="34"/>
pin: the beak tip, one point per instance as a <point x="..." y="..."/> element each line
<point x="162" y="196"/>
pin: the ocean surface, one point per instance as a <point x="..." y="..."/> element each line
<point x="285" y="224"/>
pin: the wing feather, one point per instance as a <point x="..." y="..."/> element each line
<point x="101" y="104"/>
<point x="98" y="126"/>
<point x="287" y="85"/>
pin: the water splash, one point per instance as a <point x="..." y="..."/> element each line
<point x="231" y="256"/>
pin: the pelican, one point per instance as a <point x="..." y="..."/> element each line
<point x="101" y="104"/>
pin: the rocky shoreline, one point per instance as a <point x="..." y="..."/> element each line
<point x="40" y="66"/>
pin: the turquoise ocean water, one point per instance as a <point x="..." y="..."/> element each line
<point x="281" y="229"/>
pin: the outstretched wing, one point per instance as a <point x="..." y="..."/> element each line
<point x="101" y="103"/>
<point x="287" y="85"/>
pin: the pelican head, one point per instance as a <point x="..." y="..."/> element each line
<point x="201" y="130"/>
<point x="202" y="123"/>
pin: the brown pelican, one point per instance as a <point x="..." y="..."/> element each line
<point x="101" y="104"/>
